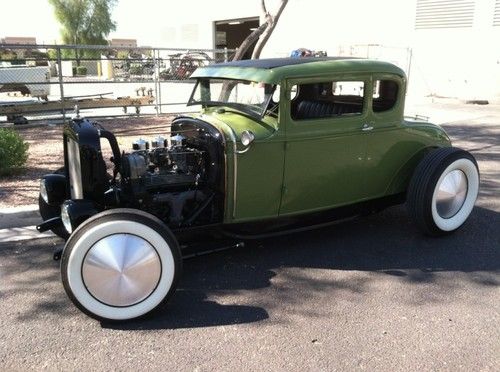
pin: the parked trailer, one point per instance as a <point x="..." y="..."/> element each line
<point x="16" y="111"/>
<point x="25" y="79"/>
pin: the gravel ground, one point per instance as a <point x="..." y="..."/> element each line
<point x="46" y="151"/>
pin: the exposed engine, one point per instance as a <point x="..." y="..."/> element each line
<point x="156" y="167"/>
<point x="179" y="178"/>
<point x="169" y="180"/>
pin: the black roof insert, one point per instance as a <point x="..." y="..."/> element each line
<point x="269" y="63"/>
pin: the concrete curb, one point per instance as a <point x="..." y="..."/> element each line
<point x="18" y="224"/>
<point x="26" y="215"/>
<point x="16" y="234"/>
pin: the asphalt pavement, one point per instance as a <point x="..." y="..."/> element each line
<point x="369" y="294"/>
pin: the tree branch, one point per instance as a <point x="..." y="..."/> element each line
<point x="247" y="43"/>
<point x="263" y="6"/>
<point x="272" y="21"/>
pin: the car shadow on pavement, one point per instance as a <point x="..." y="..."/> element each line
<point x="28" y="271"/>
<point x="383" y="244"/>
<point x="238" y="286"/>
<point x="191" y="309"/>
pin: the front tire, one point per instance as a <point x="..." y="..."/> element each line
<point x="443" y="190"/>
<point x="120" y="265"/>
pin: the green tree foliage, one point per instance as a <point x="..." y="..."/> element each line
<point x="86" y="22"/>
<point x="13" y="152"/>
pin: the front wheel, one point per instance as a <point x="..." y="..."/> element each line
<point x="443" y="190"/>
<point x="120" y="264"/>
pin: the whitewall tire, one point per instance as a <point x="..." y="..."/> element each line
<point x="120" y="264"/>
<point x="443" y="190"/>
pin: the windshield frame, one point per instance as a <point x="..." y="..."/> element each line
<point x="252" y="110"/>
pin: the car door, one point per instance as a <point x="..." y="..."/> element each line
<point x="325" y="143"/>
<point x="389" y="146"/>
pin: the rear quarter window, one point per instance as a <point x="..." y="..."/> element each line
<point x="385" y="95"/>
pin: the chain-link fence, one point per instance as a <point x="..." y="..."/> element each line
<point x="401" y="57"/>
<point x="48" y="81"/>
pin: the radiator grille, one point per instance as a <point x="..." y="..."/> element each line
<point x="445" y="13"/>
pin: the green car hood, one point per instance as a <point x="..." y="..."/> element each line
<point x="232" y="123"/>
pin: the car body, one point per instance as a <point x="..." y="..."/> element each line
<point x="279" y="145"/>
<point x="352" y="163"/>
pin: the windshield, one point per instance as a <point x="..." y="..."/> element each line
<point x="249" y="96"/>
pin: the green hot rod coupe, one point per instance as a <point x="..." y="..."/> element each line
<point x="280" y="145"/>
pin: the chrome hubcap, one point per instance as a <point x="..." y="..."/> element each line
<point x="121" y="270"/>
<point x="451" y="194"/>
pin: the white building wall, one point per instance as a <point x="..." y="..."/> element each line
<point x="327" y="24"/>
<point x="185" y="24"/>
<point x="462" y="63"/>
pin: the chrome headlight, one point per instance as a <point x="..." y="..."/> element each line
<point x="75" y="212"/>
<point x="53" y="189"/>
<point x="43" y="191"/>
<point x="66" y="219"/>
<point x="247" y="138"/>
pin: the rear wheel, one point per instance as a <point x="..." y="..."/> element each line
<point x="120" y="264"/>
<point x="443" y="190"/>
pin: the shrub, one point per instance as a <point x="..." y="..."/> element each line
<point x="13" y="152"/>
<point x="136" y="69"/>
<point x="81" y="70"/>
<point x="122" y="54"/>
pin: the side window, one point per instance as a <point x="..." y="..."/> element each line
<point x="385" y="95"/>
<point x="328" y="99"/>
<point x="293" y="92"/>
<point x="276" y="94"/>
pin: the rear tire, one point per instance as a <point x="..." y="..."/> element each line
<point x="121" y="264"/>
<point x="443" y="190"/>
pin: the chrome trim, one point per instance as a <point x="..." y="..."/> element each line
<point x="235" y="175"/>
<point x="74" y="169"/>
<point x="451" y="193"/>
<point x="224" y="142"/>
<point x="366" y="127"/>
<point x="247" y="136"/>
<point x="236" y="152"/>
<point x="121" y="270"/>
<point x="43" y="191"/>
<point x="243" y="151"/>
<point x="235" y="160"/>
<point x="235" y="166"/>
<point x="66" y="219"/>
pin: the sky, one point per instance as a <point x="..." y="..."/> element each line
<point x="39" y="22"/>
<point x="149" y="21"/>
<point x="159" y="22"/>
<point x="133" y="18"/>
<point x="40" y="14"/>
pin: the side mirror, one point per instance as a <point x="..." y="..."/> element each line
<point x="247" y="137"/>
